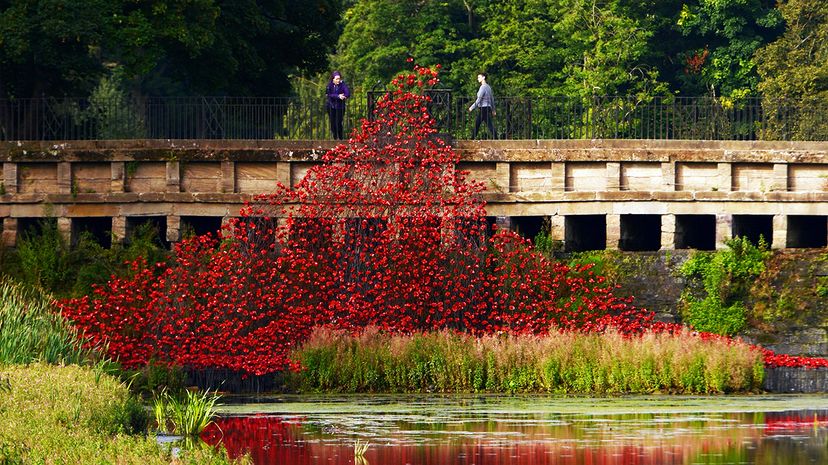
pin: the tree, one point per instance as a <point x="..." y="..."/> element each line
<point x="161" y="47"/>
<point x="794" y="68"/>
<point x="723" y="36"/>
<point x="379" y="35"/>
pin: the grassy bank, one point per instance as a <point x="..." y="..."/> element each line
<point x="562" y="363"/>
<point x="57" y="403"/>
<point x="72" y="414"/>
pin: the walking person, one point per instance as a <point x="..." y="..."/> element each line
<point x="336" y="94"/>
<point x="485" y="102"/>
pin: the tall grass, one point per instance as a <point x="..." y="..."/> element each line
<point x="563" y="363"/>
<point x="31" y="329"/>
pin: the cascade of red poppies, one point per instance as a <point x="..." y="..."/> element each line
<point x="384" y="231"/>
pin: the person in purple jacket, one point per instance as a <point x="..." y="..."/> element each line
<point x="335" y="95"/>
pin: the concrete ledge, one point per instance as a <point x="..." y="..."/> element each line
<point x="790" y="380"/>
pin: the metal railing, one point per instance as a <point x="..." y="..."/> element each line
<point x="516" y="118"/>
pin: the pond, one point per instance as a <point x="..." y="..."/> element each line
<point x="536" y="430"/>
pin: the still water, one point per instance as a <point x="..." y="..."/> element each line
<point x="528" y="430"/>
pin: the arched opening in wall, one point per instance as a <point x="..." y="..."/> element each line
<point x="34" y="227"/>
<point x="98" y="229"/>
<point x="200" y="225"/>
<point x="528" y="226"/>
<point x="640" y="233"/>
<point x="696" y="232"/>
<point x="753" y="227"/>
<point x="152" y="228"/>
<point x="807" y="231"/>
<point x="585" y="232"/>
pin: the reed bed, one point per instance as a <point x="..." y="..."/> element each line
<point x="31" y="328"/>
<point x="560" y="363"/>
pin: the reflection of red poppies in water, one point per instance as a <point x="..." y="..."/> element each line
<point x="268" y="439"/>
<point x="776" y="422"/>
<point x="274" y="440"/>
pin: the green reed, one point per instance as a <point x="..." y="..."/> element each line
<point x="32" y="329"/>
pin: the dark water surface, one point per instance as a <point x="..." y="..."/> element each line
<point x="528" y="430"/>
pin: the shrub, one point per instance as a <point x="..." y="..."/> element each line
<point x="720" y="282"/>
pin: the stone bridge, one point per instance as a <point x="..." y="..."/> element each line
<point x="591" y="194"/>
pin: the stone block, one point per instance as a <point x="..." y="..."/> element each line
<point x="724" y="230"/>
<point x="780" y="231"/>
<point x="65" y="183"/>
<point x="9" y="178"/>
<point x="228" y="177"/>
<point x="91" y="177"/>
<point x="613" y="176"/>
<point x="486" y="173"/>
<point x="698" y="176"/>
<point x="202" y="177"/>
<point x="96" y="209"/>
<point x="117" y="176"/>
<point x="810" y="177"/>
<point x="298" y="171"/>
<point x="725" y="177"/>
<point x="173" y="176"/>
<point x="530" y="177"/>
<point x="668" y="232"/>
<point x="38" y="178"/>
<point x="754" y="177"/>
<point x="146" y="177"/>
<point x="642" y="176"/>
<point x="613" y="231"/>
<point x="586" y="177"/>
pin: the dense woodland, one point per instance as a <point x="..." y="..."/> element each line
<point x="728" y="49"/>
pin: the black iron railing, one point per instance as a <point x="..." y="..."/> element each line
<point x="516" y="118"/>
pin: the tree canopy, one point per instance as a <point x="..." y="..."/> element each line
<point x="727" y="49"/>
<point x="162" y="47"/>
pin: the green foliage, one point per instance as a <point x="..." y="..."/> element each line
<point x="44" y="259"/>
<point x="70" y="414"/>
<point x="154" y="379"/>
<point x="794" y="68"/>
<point x="187" y="414"/>
<point x="731" y="31"/>
<point x="719" y="284"/>
<point x="544" y="242"/>
<point x="31" y="329"/>
<point x="564" y="363"/>
<point x="378" y="36"/>
<point x="111" y="112"/>
<point x="164" y="47"/>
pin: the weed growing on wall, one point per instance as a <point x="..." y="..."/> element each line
<point x="719" y="283"/>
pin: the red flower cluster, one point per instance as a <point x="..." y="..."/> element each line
<point x="772" y="359"/>
<point x="385" y="232"/>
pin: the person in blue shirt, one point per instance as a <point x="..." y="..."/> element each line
<point x="336" y="94"/>
<point x="485" y="102"/>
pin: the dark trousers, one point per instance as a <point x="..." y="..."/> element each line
<point x="485" y="114"/>
<point x="336" y="115"/>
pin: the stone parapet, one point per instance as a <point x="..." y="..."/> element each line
<point x="758" y="183"/>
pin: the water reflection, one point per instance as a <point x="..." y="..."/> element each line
<point x="466" y="434"/>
